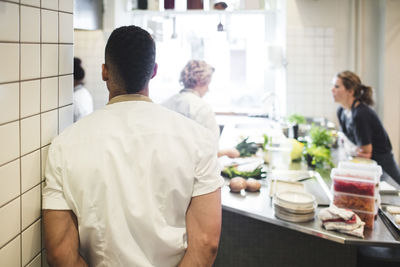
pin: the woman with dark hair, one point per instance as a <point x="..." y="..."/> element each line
<point x="361" y="124"/>
<point x="83" y="102"/>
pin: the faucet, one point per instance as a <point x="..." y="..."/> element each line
<point x="270" y="102"/>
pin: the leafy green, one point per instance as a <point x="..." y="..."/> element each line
<point x="246" y="149"/>
<point x="297" y="119"/>
<point x="266" y="140"/>
<point x="318" y="157"/>
<point x="320" y="136"/>
<point x="232" y="171"/>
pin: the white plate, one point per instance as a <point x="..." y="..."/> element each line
<point x="295" y="200"/>
<point x="294" y="217"/>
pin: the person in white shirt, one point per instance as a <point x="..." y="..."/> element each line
<point x="196" y="77"/>
<point x="133" y="183"/>
<point x="82" y="99"/>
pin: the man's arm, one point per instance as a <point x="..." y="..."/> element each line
<point x="203" y="224"/>
<point x="61" y="238"/>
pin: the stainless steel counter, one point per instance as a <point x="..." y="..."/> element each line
<point x="258" y="206"/>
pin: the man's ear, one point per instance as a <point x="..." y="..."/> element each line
<point x="104" y="72"/>
<point x="154" y="71"/>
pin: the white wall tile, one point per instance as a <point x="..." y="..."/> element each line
<point x="9" y="63"/>
<point x="30" y="170"/>
<point x="30" y="134"/>
<point x="30" y="61"/>
<point x="66" y="5"/>
<point x="49" y="26"/>
<point x="49" y="126"/>
<point x="49" y="60"/>
<point x="66" y="90"/>
<point x="31" y="242"/>
<point x="30" y="24"/>
<point x="49" y="94"/>
<point x="9" y="102"/>
<point x="30" y="206"/>
<point x="30" y="98"/>
<point x="10" y="255"/>
<point x="31" y="2"/>
<point x="66" y="61"/>
<point x="9" y="142"/>
<point x="50" y="4"/>
<point x="10" y="221"/>
<point x="9" y="22"/>
<point x="66" y="117"/>
<point x="66" y="28"/>
<point x="36" y="262"/>
<point x="45" y="152"/>
<point x="9" y="182"/>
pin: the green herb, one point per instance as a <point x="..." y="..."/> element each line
<point x="320" y="136"/>
<point x="246" y="149"/>
<point x="266" y="140"/>
<point x="232" y="171"/>
<point x="297" y="119"/>
<point x="318" y="157"/>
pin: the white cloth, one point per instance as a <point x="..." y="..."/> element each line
<point x="128" y="171"/>
<point x="190" y="104"/>
<point x="83" y="102"/>
<point x="341" y="220"/>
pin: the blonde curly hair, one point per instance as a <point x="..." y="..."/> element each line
<point x="196" y="72"/>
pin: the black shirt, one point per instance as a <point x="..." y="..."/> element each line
<point x="363" y="127"/>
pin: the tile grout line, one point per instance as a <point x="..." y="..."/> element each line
<point x="35" y="79"/>
<point x="20" y="140"/>
<point x="40" y="131"/>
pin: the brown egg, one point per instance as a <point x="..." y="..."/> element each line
<point x="252" y="185"/>
<point x="236" y="184"/>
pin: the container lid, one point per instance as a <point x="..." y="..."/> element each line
<point x="337" y="193"/>
<point x="358" y="166"/>
<point x="356" y="174"/>
<point x="295" y="200"/>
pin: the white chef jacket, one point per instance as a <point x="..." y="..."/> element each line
<point x="83" y="102"/>
<point x="128" y="171"/>
<point x="189" y="103"/>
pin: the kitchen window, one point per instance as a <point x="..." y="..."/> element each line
<point x="247" y="49"/>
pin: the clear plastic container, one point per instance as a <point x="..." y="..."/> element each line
<point x="358" y="174"/>
<point x="354" y="202"/>
<point x="354" y="186"/>
<point x="367" y="217"/>
<point x="363" y="167"/>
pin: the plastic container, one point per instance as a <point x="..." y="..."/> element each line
<point x="356" y="202"/>
<point x="359" y="166"/>
<point x="354" y="186"/>
<point x="367" y="217"/>
<point x="358" y="174"/>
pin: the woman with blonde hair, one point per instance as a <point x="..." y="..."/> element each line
<point x="195" y="78"/>
<point x="360" y="123"/>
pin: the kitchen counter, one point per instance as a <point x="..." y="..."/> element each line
<point x="252" y="235"/>
<point x="258" y="205"/>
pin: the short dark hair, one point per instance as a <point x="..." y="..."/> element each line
<point x="130" y="57"/>
<point x="79" y="72"/>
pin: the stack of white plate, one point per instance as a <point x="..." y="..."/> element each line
<point x="295" y="206"/>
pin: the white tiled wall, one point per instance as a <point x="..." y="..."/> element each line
<point x="36" y="86"/>
<point x="89" y="47"/>
<point x="311" y="58"/>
